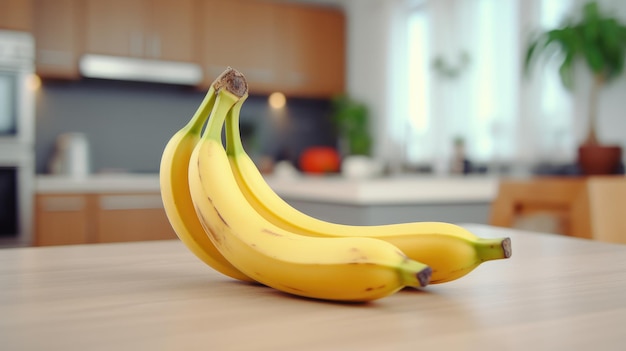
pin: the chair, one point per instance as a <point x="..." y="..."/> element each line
<point x="584" y="207"/>
<point x="607" y="204"/>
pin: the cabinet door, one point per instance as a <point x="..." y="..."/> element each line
<point x="171" y="34"/>
<point x="56" y="31"/>
<point x="132" y="217"/>
<point x="16" y="15"/>
<point x="115" y="27"/>
<point x="62" y="220"/>
<point x="240" y="34"/>
<point x="313" y="51"/>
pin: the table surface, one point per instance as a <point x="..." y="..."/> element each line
<point x="554" y="293"/>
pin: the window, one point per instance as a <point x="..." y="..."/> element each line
<point x="464" y="80"/>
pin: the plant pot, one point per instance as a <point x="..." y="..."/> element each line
<point x="599" y="159"/>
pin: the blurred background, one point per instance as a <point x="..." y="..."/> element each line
<point x="429" y="73"/>
<point x="428" y="87"/>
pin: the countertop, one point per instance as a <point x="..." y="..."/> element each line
<point x="554" y="293"/>
<point x="97" y="183"/>
<point x="335" y="189"/>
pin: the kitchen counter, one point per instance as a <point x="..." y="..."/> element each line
<point x="388" y="190"/>
<point x="335" y="198"/>
<point x="554" y="293"/>
<point x="332" y="189"/>
<point x="98" y="183"/>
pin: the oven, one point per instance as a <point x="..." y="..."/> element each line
<point x="16" y="137"/>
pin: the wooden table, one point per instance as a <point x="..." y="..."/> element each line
<point x="555" y="293"/>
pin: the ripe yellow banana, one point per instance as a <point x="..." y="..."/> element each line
<point x="343" y="269"/>
<point x="175" y="194"/>
<point x="450" y="250"/>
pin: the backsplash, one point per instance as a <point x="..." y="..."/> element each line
<point x="128" y="124"/>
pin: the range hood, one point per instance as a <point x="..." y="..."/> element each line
<point x="142" y="70"/>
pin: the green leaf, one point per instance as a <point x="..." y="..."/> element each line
<point x="591" y="11"/>
<point x="566" y="73"/>
<point x="598" y="39"/>
<point x="530" y="52"/>
<point x="594" y="57"/>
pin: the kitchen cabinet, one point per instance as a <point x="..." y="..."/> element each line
<point x="131" y="217"/>
<point x="64" y="219"/>
<point x="296" y="49"/>
<point x="56" y="29"/>
<point x="16" y="15"/>
<point x="153" y="29"/>
<point x="313" y="50"/>
<point x="240" y="34"/>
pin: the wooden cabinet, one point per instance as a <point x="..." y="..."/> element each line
<point x="16" y="15"/>
<point x="64" y="219"/>
<point x="293" y="48"/>
<point x="131" y="217"/>
<point x="240" y="34"/>
<point x="57" y="31"/>
<point x="312" y="51"/>
<point x="296" y="49"/>
<point x="155" y="29"/>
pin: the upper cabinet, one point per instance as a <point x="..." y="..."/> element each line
<point x="240" y="34"/>
<point x="16" y="15"/>
<point x="295" y="49"/>
<point x="292" y="48"/>
<point x="56" y="29"/>
<point x="312" y="47"/>
<point x="153" y="29"/>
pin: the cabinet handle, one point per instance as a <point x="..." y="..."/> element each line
<point x="130" y="202"/>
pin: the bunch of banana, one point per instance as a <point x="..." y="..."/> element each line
<point x="450" y="250"/>
<point x="350" y="269"/>
<point x="223" y="210"/>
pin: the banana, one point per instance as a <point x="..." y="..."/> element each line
<point x="450" y="250"/>
<point x="341" y="269"/>
<point x="175" y="194"/>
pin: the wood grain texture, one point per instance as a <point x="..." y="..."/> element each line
<point x="554" y="293"/>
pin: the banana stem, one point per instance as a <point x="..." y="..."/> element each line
<point x="233" y="135"/>
<point x="202" y="113"/>
<point x="493" y="249"/>
<point x="231" y="87"/>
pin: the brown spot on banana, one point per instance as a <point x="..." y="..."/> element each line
<point x="270" y="232"/>
<point x="206" y="224"/>
<point x="293" y="289"/>
<point x="376" y="287"/>
<point x="220" y="216"/>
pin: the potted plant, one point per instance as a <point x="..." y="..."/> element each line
<point x="598" y="40"/>
<point x="351" y="119"/>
